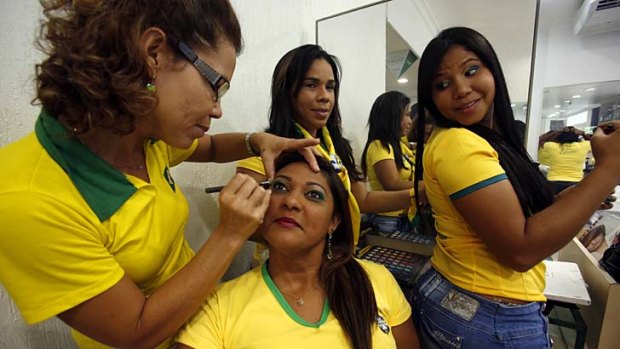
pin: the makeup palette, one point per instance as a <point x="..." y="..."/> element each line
<point x="413" y="237"/>
<point x="405" y="266"/>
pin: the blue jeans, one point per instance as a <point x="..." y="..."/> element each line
<point x="447" y="316"/>
<point x="388" y="224"/>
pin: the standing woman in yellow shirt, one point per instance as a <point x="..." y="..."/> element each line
<point x="495" y="214"/>
<point x="304" y="104"/>
<point x="387" y="160"/>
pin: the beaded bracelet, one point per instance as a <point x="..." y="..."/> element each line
<point x="248" y="146"/>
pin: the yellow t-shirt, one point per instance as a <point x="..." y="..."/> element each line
<point x="375" y="153"/>
<point x="64" y="237"/>
<point x="254" y="163"/>
<point x="565" y="161"/>
<point x="250" y="312"/>
<point x="458" y="162"/>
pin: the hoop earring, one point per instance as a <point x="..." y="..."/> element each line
<point x="329" y="246"/>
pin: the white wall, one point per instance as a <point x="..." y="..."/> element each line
<point x="565" y="59"/>
<point x="361" y="52"/>
<point x="270" y="28"/>
<point x="414" y="22"/>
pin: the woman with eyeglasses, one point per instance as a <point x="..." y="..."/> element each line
<point x="304" y="105"/>
<point x="387" y="160"/>
<point x="92" y="220"/>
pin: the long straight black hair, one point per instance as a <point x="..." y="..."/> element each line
<point x="286" y="83"/>
<point x="532" y="188"/>
<point x="349" y="290"/>
<point x="384" y="124"/>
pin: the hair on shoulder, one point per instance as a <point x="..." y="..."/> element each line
<point x="349" y="290"/>
<point x="533" y="190"/>
<point x="384" y="125"/>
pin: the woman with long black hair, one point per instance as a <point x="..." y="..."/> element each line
<point x="496" y="216"/>
<point x="387" y="160"/>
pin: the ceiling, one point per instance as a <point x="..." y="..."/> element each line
<point x="507" y="24"/>
<point x="562" y="101"/>
<point x="395" y="43"/>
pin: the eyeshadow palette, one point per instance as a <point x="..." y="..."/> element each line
<point x="413" y="237"/>
<point x="409" y="242"/>
<point x="405" y="266"/>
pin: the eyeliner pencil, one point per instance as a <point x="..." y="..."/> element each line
<point x="264" y="184"/>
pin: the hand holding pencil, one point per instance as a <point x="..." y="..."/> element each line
<point x="217" y="189"/>
<point x="242" y="203"/>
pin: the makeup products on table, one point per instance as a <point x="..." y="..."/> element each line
<point x="405" y="266"/>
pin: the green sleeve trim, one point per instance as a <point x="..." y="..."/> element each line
<point x="464" y="192"/>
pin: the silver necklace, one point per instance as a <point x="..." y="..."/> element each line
<point x="130" y="167"/>
<point x="299" y="300"/>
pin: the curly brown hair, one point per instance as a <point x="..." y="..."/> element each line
<point x="95" y="73"/>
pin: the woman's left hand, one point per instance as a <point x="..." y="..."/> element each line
<point x="271" y="146"/>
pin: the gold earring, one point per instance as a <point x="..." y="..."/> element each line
<point x="150" y="86"/>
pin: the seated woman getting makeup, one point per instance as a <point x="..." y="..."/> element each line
<point x="311" y="291"/>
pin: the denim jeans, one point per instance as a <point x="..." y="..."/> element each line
<point x="447" y="316"/>
<point x="388" y="224"/>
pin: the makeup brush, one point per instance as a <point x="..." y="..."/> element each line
<point x="210" y="190"/>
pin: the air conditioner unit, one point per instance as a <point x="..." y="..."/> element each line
<point x="597" y="16"/>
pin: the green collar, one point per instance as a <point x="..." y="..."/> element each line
<point x="104" y="188"/>
<point x="284" y="304"/>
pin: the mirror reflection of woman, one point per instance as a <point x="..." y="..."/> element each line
<point x="312" y="292"/>
<point x="387" y="160"/>
<point x="495" y="213"/>
<point x="413" y="132"/>
<point x="564" y="152"/>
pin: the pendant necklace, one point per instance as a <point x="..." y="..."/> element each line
<point x="299" y="300"/>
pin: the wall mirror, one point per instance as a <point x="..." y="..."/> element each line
<point x="582" y="105"/>
<point x="378" y="45"/>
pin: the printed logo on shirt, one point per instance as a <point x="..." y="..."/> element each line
<point x="169" y="179"/>
<point x="336" y="163"/>
<point x="383" y="325"/>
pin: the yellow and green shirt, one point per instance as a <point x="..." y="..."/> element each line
<point x="250" y="312"/>
<point x="566" y="161"/>
<point x="73" y="226"/>
<point x="458" y="162"/>
<point x="376" y="153"/>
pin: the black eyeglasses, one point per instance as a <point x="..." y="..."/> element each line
<point x="218" y="82"/>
